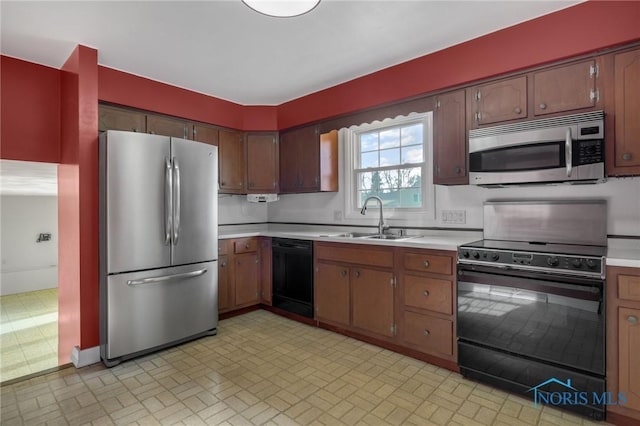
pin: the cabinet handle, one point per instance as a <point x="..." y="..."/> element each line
<point x="223" y="264"/>
<point x="426" y="332"/>
<point x="632" y="319"/>
<point x="135" y="129"/>
<point x="343" y="273"/>
<point x="543" y="106"/>
<point x="517" y="110"/>
<point x="246" y="245"/>
<point x="426" y="263"/>
<point x="357" y="274"/>
<point x="626" y="156"/>
<point x="426" y="293"/>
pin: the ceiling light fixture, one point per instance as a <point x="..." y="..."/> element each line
<point x="282" y="8"/>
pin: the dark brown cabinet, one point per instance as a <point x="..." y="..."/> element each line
<point x="159" y="125"/>
<point x="224" y="282"/>
<point x="204" y="133"/>
<point x="231" y="154"/>
<point x="262" y="163"/>
<point x="355" y="288"/>
<point x="623" y="340"/>
<point x="266" y="289"/>
<point x="308" y="160"/>
<point x="500" y="101"/>
<point x="112" y="118"/>
<point x="566" y="88"/>
<point x="247" y="284"/>
<point x="623" y="156"/>
<point x="239" y="273"/>
<point x="450" y="139"/>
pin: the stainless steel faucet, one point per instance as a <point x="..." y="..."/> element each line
<point x="381" y="224"/>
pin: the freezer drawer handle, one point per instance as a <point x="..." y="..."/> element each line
<point x="192" y="274"/>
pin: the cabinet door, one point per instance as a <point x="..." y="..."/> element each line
<point x="231" y="158"/>
<point x="262" y="163"/>
<point x="450" y="139"/>
<point x="205" y="134"/>
<point x="627" y="111"/>
<point x="247" y="289"/>
<point x="224" y="284"/>
<point x="309" y="151"/>
<point x="501" y="101"/>
<point x="629" y="356"/>
<point x="332" y="299"/>
<point x="110" y="118"/>
<point x="265" y="270"/>
<point x="567" y="88"/>
<point x="157" y="125"/>
<point x="288" y="155"/>
<point x="372" y="300"/>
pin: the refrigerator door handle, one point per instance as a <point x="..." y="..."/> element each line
<point x="176" y="201"/>
<point x="168" y="197"/>
<point x="155" y="280"/>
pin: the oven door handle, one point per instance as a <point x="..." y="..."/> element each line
<point x="568" y="151"/>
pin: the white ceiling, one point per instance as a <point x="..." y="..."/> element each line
<point x="224" y="49"/>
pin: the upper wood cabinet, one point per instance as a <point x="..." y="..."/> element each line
<point x="308" y="160"/>
<point x="112" y="118"/>
<point x="231" y="158"/>
<point x="450" y="139"/>
<point x="262" y="163"/>
<point x="159" y="125"/>
<point x="623" y="155"/>
<point x="566" y="88"/>
<point x="204" y="133"/>
<point x="503" y="100"/>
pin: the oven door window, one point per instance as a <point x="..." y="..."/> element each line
<point x="539" y="156"/>
<point x="544" y="319"/>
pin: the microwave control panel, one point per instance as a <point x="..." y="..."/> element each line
<point x="588" y="152"/>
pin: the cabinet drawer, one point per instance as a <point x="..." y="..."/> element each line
<point x="629" y="287"/>
<point x="428" y="293"/>
<point x="428" y="334"/>
<point x="355" y="253"/>
<point x="245" y="245"/>
<point x="433" y="263"/>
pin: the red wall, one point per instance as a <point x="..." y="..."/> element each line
<point x="570" y="32"/>
<point x="30" y="111"/>
<point x="78" y="274"/>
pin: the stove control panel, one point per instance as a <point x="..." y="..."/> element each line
<point x="579" y="265"/>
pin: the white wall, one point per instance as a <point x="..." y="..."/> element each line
<point x="234" y="209"/>
<point x="27" y="265"/>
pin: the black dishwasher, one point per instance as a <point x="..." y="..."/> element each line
<point x="293" y="276"/>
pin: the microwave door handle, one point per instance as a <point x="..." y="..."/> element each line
<point x="567" y="151"/>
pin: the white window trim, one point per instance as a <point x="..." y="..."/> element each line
<point x="349" y="138"/>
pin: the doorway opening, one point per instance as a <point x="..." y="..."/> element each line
<point x="28" y="268"/>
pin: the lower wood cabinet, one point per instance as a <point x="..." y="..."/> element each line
<point x="426" y="302"/>
<point x="623" y="340"/>
<point x="266" y="275"/>
<point x="239" y="272"/>
<point x="352" y="293"/>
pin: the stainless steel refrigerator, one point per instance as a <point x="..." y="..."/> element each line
<point x="158" y="243"/>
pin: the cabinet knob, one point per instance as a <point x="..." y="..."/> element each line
<point x="135" y="129"/>
<point x="426" y="293"/>
<point x="426" y="264"/>
<point x="426" y="332"/>
<point x="632" y="319"/>
<point x="458" y="169"/>
<point x="517" y="110"/>
<point x="246" y="245"/>
<point x="357" y="274"/>
<point x="343" y="273"/>
<point x="223" y="264"/>
<point x="543" y="106"/>
<point x="626" y="156"/>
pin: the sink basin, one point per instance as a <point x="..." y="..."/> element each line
<point x="355" y="235"/>
<point x="391" y="237"/>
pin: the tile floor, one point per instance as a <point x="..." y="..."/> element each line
<point x="265" y="369"/>
<point x="28" y="333"/>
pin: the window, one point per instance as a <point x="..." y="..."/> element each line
<point x="392" y="160"/>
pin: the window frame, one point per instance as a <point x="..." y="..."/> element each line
<point x="350" y="137"/>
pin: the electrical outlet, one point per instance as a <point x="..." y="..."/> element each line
<point x="458" y="217"/>
<point x="337" y="215"/>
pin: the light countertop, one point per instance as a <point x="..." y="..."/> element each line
<point x="620" y="252"/>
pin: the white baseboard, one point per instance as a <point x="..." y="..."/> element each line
<point x="84" y="357"/>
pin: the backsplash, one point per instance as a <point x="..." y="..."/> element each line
<point x="234" y="209"/>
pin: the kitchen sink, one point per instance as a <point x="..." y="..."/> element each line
<point x="368" y="235"/>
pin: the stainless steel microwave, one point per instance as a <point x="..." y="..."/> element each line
<point x="565" y="149"/>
